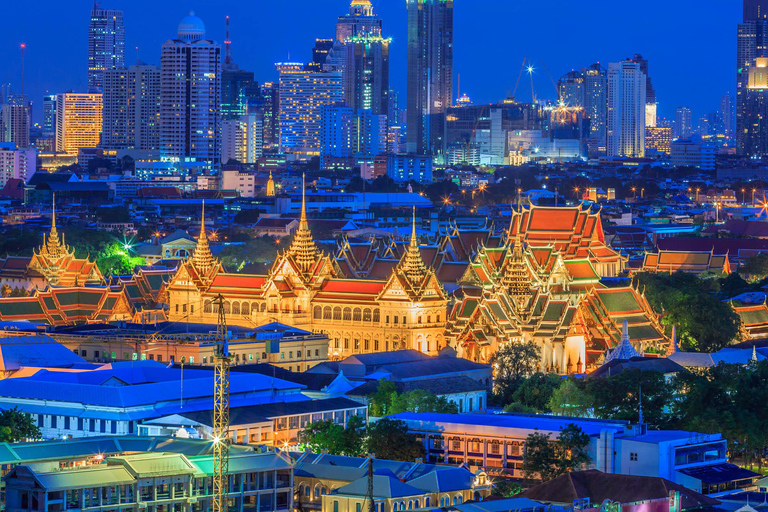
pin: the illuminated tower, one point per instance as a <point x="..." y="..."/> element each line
<point x="751" y="44"/>
<point x="270" y="186"/>
<point x="78" y="121"/>
<point x="303" y="246"/>
<point x="190" y="94"/>
<point x="106" y="45"/>
<point x="131" y="116"/>
<point x="430" y="72"/>
<point x="626" y="110"/>
<point x="202" y="259"/>
<point x="15" y="120"/>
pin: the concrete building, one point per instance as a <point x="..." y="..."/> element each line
<point x="49" y="116"/>
<point x="154" y="481"/>
<point x="131" y="112"/>
<point x="430" y="72"/>
<point x="693" y="153"/>
<point x="242" y="139"/>
<point x="751" y="44"/>
<point x="106" y="45"/>
<point x="303" y="96"/>
<point x="190" y="95"/>
<point x="409" y="167"/>
<point x="15" y="119"/>
<point x="244" y="183"/>
<point x="78" y="122"/>
<point x="658" y="140"/>
<point x="355" y="135"/>
<point x="15" y="163"/>
<point x="626" y="110"/>
<point x="683" y="125"/>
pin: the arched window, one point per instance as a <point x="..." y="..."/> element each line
<point x="327" y="313"/>
<point x="410" y="504"/>
<point x="227" y="308"/>
<point x="317" y="313"/>
<point x="376" y="316"/>
<point x="255" y="307"/>
<point x="208" y="307"/>
<point x="263" y="307"/>
<point x="347" y="314"/>
<point x="245" y="309"/>
<point x="235" y="308"/>
<point x="337" y="313"/>
<point x="366" y="315"/>
<point x="356" y="315"/>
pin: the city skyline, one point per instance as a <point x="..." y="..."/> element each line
<point x="257" y="45"/>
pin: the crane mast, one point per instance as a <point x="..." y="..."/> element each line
<point x="221" y="413"/>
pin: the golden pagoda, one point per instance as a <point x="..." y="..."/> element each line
<point x="412" y="265"/>
<point x="303" y="247"/>
<point x="270" y="186"/>
<point x="202" y="259"/>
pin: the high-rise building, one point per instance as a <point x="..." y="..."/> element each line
<point x="754" y="139"/>
<point x="270" y="109"/>
<point x="626" y="110"/>
<point x="658" y="139"/>
<point x="303" y="95"/>
<point x="15" y="120"/>
<point x="430" y="72"/>
<point x="751" y="44"/>
<point x="242" y="139"/>
<point x="683" y="127"/>
<point x="726" y="111"/>
<point x="49" y="115"/>
<point x="190" y="94"/>
<point x="587" y="88"/>
<point x="16" y="163"/>
<point x="131" y="114"/>
<point x="239" y="89"/>
<point x="650" y="92"/>
<point x="78" y="122"/>
<point x="106" y="45"/>
<point x="353" y="134"/>
<point x="570" y="88"/>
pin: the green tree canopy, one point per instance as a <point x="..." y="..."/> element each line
<point x="549" y="459"/>
<point x="16" y="426"/>
<point x="536" y="391"/>
<point x="570" y="399"/>
<point x="386" y="400"/>
<point x="617" y="397"/>
<point x="389" y="439"/>
<point x="512" y="363"/>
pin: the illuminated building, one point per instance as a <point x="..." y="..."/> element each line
<point x="303" y="95"/>
<point x="240" y="92"/>
<point x="190" y="94"/>
<point x="16" y="163"/>
<point x="15" y="120"/>
<point x="430" y="72"/>
<point x="727" y="114"/>
<point x="352" y="135"/>
<point x="242" y="139"/>
<point x="650" y="92"/>
<point x="106" y="45"/>
<point x="689" y="153"/>
<point x="658" y="139"/>
<point x="754" y="115"/>
<point x="78" y="122"/>
<point x="270" y="186"/>
<point x="751" y="44"/>
<point x="587" y="88"/>
<point x="131" y="112"/>
<point x="543" y="286"/>
<point x="270" y="108"/>
<point x="49" y="115"/>
<point x="626" y="110"/>
<point x="307" y="289"/>
<point x="683" y="126"/>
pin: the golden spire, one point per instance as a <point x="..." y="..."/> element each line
<point x="412" y="265"/>
<point x="53" y="245"/>
<point x="516" y="278"/>
<point x="270" y="186"/>
<point x="203" y="260"/>
<point x="303" y="246"/>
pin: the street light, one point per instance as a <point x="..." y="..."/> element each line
<point x="634" y="191"/>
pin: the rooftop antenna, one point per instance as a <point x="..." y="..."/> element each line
<point x="23" y="47"/>
<point x="227" y="44"/>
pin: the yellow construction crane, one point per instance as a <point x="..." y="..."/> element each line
<point x="221" y="413"/>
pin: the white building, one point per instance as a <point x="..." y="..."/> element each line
<point x="242" y="139"/>
<point x="688" y="153"/>
<point x="131" y="112"/>
<point x="242" y="182"/>
<point x="16" y="163"/>
<point x="626" y="110"/>
<point x="190" y="95"/>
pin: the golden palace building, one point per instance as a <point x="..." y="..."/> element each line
<point x="306" y="288"/>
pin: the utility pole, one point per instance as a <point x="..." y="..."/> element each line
<point x="221" y="413"/>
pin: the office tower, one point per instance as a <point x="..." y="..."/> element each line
<point x="349" y="133"/>
<point x="106" y="45"/>
<point x="626" y="110"/>
<point x="49" y="115"/>
<point x="15" y="120"/>
<point x="190" y="94"/>
<point x="650" y="92"/>
<point x="270" y="109"/>
<point x="303" y="94"/>
<point x="16" y="163"/>
<point x="322" y="55"/>
<point x="683" y="127"/>
<point x="726" y="111"/>
<point x="754" y="140"/>
<point x="239" y="89"/>
<point x="755" y="9"/>
<point x="242" y="139"/>
<point x="570" y="89"/>
<point x="586" y="88"/>
<point x="715" y="124"/>
<point x="751" y="44"/>
<point x="78" y="121"/>
<point x="131" y="113"/>
<point x="5" y="91"/>
<point x="430" y="72"/>
<point x="658" y="139"/>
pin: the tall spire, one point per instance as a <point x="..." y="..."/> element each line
<point x="203" y="260"/>
<point x="516" y="278"/>
<point x="412" y="264"/>
<point x="303" y="247"/>
<point x="270" y="186"/>
<point x="624" y="350"/>
<point x="53" y="244"/>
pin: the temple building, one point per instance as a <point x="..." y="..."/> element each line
<point x="54" y="263"/>
<point x="308" y="289"/>
<point x="550" y="294"/>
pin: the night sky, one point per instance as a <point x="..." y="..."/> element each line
<point x="691" y="44"/>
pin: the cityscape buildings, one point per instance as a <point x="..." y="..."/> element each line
<point x="683" y="126"/>
<point x="626" y="109"/>
<point x="131" y="111"/>
<point x="78" y="121"/>
<point x="190" y="94"/>
<point x="15" y="120"/>
<point x="106" y="45"/>
<point x="430" y="72"/>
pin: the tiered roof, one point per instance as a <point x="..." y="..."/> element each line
<point x="67" y="306"/>
<point x="694" y="262"/>
<point x="754" y="320"/>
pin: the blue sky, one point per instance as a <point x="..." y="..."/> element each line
<point x="690" y="44"/>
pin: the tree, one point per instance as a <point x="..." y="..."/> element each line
<point x="513" y="362"/>
<point x="16" y="425"/>
<point x="389" y="439"/>
<point x="755" y="267"/>
<point x="506" y="488"/>
<point x="386" y="400"/>
<point x="570" y="399"/>
<point x="337" y="440"/>
<point x="617" y="397"/>
<point x="549" y="459"/>
<point x="536" y="391"/>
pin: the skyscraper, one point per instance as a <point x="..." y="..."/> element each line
<point x="650" y="92"/>
<point x="78" y="122"/>
<point x="303" y="95"/>
<point x="270" y="108"/>
<point x="15" y="120"/>
<point x="49" y="115"/>
<point x="242" y="139"/>
<point x="683" y="127"/>
<point x="751" y="44"/>
<point x="131" y="114"/>
<point x="626" y="110"/>
<point x="238" y="87"/>
<point x="190" y="94"/>
<point x="596" y="106"/>
<point x="106" y="45"/>
<point x="430" y="72"/>
<point x="754" y="139"/>
<point x="570" y="88"/>
<point x="726" y="111"/>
